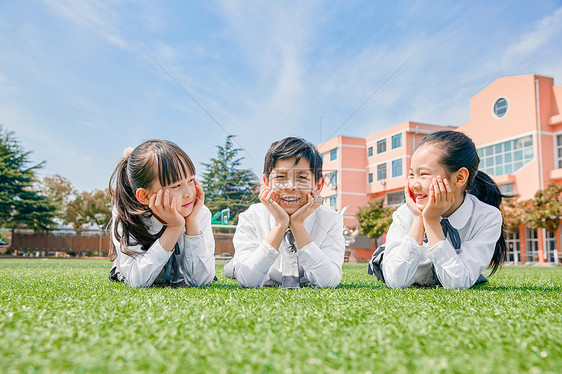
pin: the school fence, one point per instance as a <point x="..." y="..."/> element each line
<point x="88" y="243"/>
<point x="96" y="243"/>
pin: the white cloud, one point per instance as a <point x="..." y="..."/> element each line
<point x="98" y="16"/>
<point x="545" y="30"/>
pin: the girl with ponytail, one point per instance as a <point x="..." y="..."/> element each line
<point x="160" y="227"/>
<point x="451" y="227"/>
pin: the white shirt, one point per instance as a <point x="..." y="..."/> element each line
<point x="256" y="263"/>
<point x="405" y="262"/>
<point x="196" y="259"/>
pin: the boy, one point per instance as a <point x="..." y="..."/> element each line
<point x="289" y="239"/>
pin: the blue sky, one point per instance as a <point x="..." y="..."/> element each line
<point x="79" y="81"/>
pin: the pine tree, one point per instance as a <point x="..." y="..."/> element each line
<point x="226" y="184"/>
<point x="20" y="204"/>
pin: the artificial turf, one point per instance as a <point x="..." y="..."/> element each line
<point x="66" y="316"/>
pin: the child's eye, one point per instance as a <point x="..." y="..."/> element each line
<point x="302" y="177"/>
<point x="279" y="177"/>
<point x="176" y="185"/>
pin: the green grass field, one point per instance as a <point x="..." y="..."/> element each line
<point x="66" y="316"/>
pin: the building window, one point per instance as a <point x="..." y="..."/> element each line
<point x="507" y="157"/>
<point x="395" y="198"/>
<point x="333" y="154"/>
<point x="369" y="151"/>
<point x="381" y="146"/>
<point x="500" y="107"/>
<point x="396" y="141"/>
<point x="333" y="180"/>
<point x="513" y="247"/>
<point x="333" y="201"/>
<point x="532" y="247"/>
<point x="381" y="172"/>
<point x="397" y="168"/>
<point x="506" y="189"/>
<point x="370" y="178"/>
<point x="559" y="151"/>
<point x="550" y="253"/>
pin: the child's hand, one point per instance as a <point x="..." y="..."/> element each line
<point x="198" y="202"/>
<point x="267" y="196"/>
<point x="410" y="201"/>
<point x="314" y="201"/>
<point x="441" y="199"/>
<point x="166" y="209"/>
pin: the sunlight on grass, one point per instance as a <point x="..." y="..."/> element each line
<point x="66" y="316"/>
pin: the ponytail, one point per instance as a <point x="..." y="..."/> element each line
<point x="127" y="222"/>
<point x="487" y="191"/>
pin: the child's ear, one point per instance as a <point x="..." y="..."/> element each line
<point x="265" y="181"/>
<point x="460" y="177"/>
<point x="319" y="184"/>
<point x="142" y="196"/>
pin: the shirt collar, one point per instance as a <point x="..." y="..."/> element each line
<point x="460" y="217"/>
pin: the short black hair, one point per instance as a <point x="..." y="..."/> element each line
<point x="293" y="147"/>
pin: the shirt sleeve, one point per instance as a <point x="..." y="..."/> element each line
<point x="199" y="258"/>
<point x="461" y="270"/>
<point x="252" y="257"/>
<point x="140" y="268"/>
<point x="402" y="253"/>
<point x="322" y="262"/>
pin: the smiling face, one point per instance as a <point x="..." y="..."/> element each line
<point x="424" y="167"/>
<point x="292" y="183"/>
<point x="183" y="190"/>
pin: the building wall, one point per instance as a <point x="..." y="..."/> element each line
<point x="534" y="108"/>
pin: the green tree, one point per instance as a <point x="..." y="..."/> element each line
<point x="21" y="206"/>
<point x="514" y="213"/>
<point x="545" y="210"/>
<point x="226" y="184"/>
<point x="374" y="219"/>
<point x="89" y="207"/>
<point x="59" y="191"/>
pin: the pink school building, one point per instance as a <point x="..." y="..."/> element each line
<point x="516" y="124"/>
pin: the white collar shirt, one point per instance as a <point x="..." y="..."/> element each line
<point x="406" y="262"/>
<point x="256" y="263"/>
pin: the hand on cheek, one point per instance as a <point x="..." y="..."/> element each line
<point x="269" y="199"/>
<point x="314" y="201"/>
<point x="411" y="201"/>
<point x="165" y="208"/>
<point x="440" y="199"/>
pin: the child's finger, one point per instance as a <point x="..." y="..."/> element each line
<point x="173" y="207"/>
<point x="158" y="200"/>
<point x="441" y="186"/>
<point x="151" y="202"/>
<point x="431" y="193"/>
<point x="448" y="188"/>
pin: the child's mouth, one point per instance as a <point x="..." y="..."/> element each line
<point x="289" y="200"/>
<point x="188" y="204"/>
<point x="420" y="198"/>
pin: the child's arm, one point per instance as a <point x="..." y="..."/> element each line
<point x="199" y="257"/>
<point x="404" y="240"/>
<point x="140" y="268"/>
<point x="253" y="255"/>
<point x="402" y="253"/>
<point x="322" y="260"/>
<point x="461" y="271"/>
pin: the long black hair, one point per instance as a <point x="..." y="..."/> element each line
<point x="458" y="151"/>
<point x="153" y="160"/>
